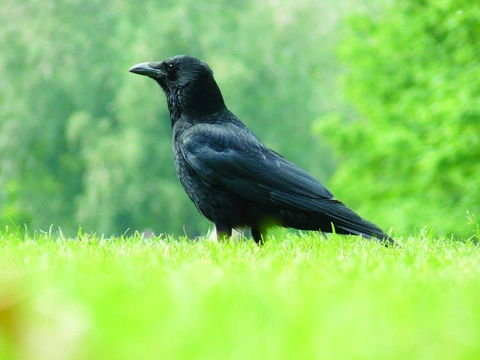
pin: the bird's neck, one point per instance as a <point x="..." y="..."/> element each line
<point x="196" y="99"/>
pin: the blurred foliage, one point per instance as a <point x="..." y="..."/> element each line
<point x="85" y="143"/>
<point x="410" y="144"/>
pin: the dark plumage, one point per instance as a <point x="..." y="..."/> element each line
<point x="233" y="179"/>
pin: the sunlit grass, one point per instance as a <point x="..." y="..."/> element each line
<point x="304" y="297"/>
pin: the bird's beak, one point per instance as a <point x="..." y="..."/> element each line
<point x="150" y="69"/>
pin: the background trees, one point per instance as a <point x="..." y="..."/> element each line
<point x="85" y="143"/>
<point x="411" y="141"/>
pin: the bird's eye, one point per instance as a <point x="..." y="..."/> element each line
<point x="169" y="67"/>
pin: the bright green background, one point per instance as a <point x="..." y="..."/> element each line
<point x="383" y="96"/>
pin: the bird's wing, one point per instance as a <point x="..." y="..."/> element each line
<point x="234" y="159"/>
<point x="239" y="162"/>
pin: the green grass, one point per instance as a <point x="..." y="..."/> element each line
<point x="300" y="298"/>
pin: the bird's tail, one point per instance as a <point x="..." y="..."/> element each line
<point x="346" y="221"/>
<point x="373" y="232"/>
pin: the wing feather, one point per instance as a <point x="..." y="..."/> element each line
<point x="242" y="164"/>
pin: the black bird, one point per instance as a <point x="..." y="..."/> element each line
<point x="233" y="179"/>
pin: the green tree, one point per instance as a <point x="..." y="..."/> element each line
<point x="410" y="143"/>
<point x="83" y="142"/>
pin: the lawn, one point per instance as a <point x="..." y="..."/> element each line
<point x="301" y="297"/>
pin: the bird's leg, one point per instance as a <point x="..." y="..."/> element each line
<point x="223" y="232"/>
<point x="257" y="236"/>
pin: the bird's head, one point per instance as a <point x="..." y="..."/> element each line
<point x="187" y="82"/>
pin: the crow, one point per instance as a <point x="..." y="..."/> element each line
<point x="233" y="179"/>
